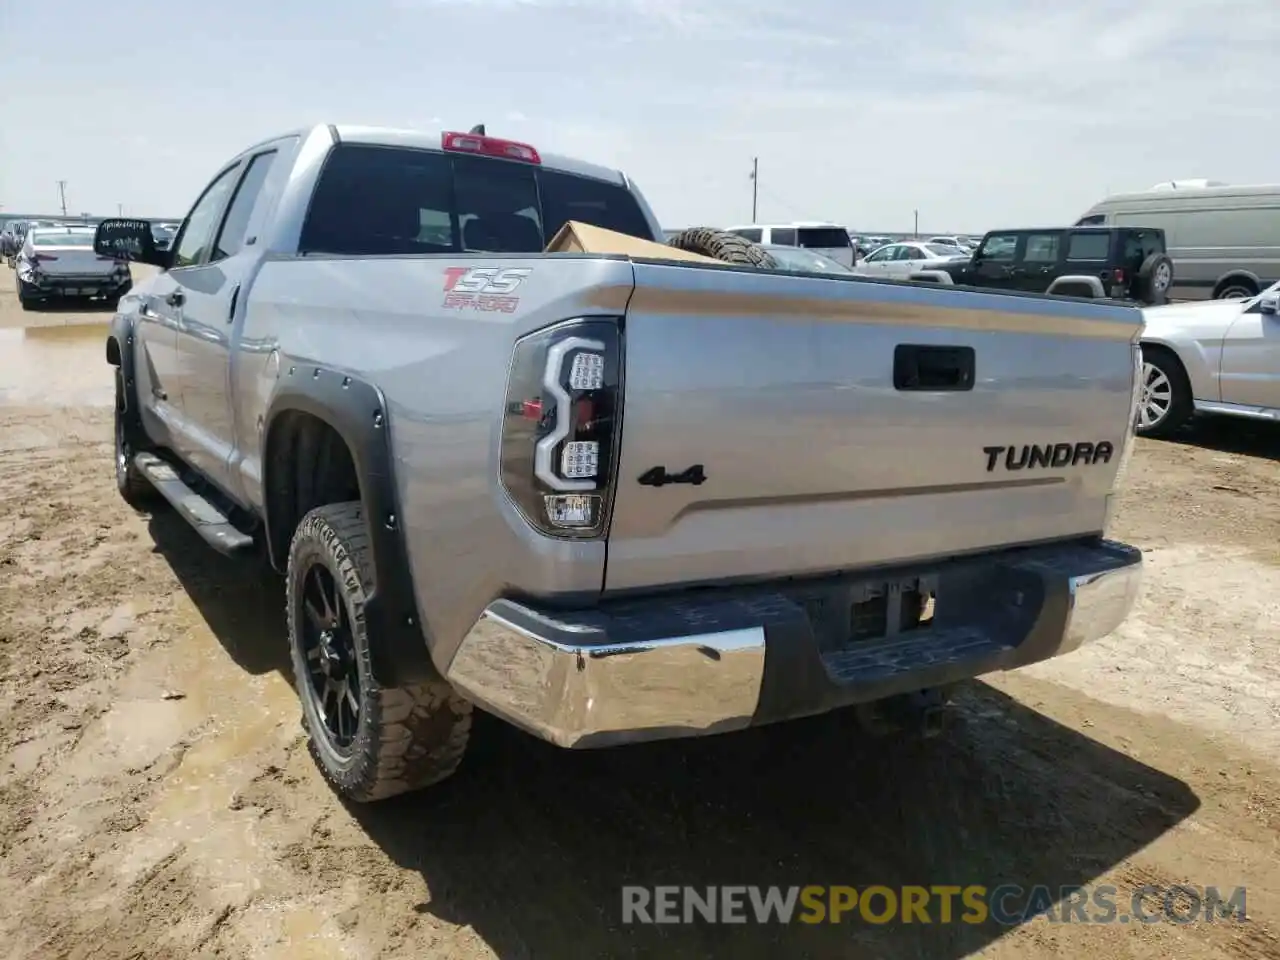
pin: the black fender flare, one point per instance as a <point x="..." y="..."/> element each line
<point x="120" y="354"/>
<point x="357" y="412"/>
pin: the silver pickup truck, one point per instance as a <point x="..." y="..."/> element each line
<point x="606" y="498"/>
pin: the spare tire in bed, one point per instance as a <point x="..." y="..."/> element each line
<point x="724" y="246"/>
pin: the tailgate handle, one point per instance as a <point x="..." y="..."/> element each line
<point x="923" y="367"/>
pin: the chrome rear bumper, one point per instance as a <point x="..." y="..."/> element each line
<point x="676" y="667"/>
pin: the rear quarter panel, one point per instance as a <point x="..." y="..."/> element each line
<point x="443" y="371"/>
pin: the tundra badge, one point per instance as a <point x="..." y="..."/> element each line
<point x="1056" y="455"/>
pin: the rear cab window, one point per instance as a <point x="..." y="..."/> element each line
<point x="750" y="233"/>
<point x="379" y="200"/>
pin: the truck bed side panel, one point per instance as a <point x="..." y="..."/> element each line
<point x="782" y="388"/>
<point x="443" y="371"/>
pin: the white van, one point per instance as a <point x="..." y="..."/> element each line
<point x="828" y="239"/>
<point x="1224" y="240"/>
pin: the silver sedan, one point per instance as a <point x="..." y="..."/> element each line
<point x="56" y="263"/>
<point x="900" y="260"/>
<point x="1210" y="356"/>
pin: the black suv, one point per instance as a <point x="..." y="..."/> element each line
<point x="1129" y="263"/>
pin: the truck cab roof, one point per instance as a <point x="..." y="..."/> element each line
<point x="433" y="140"/>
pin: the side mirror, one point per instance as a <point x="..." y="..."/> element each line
<point x="128" y="240"/>
<point x="1270" y="303"/>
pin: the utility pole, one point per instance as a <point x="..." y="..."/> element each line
<point x="62" y="193"/>
<point x="915" y="231"/>
<point x="755" y="186"/>
<point x="119" y="209"/>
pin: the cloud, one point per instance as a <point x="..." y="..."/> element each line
<point x="992" y="112"/>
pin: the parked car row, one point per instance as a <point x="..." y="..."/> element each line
<point x="13" y="232"/>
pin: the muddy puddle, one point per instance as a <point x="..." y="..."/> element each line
<point x="62" y="365"/>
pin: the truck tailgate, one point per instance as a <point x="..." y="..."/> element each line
<point x="815" y="457"/>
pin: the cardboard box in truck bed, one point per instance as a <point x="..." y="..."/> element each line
<point x="577" y="237"/>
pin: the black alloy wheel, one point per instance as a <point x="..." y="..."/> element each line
<point x="329" y="649"/>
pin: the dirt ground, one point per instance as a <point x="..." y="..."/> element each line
<point x="156" y="799"/>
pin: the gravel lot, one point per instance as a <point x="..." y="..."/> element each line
<point x="156" y="799"/>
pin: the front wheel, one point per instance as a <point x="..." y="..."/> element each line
<point x="1166" y="401"/>
<point x="135" y="489"/>
<point x="370" y="742"/>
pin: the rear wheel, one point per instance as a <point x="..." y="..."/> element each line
<point x="1238" y="288"/>
<point x="1166" y="393"/>
<point x="724" y="246"/>
<point x="369" y="741"/>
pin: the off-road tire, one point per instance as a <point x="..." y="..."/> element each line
<point x="407" y="737"/>
<point x="1181" y="404"/>
<point x="724" y="246"/>
<point x="1155" y="279"/>
<point x="135" y="489"/>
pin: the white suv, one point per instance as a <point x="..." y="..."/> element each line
<point x="828" y="239"/>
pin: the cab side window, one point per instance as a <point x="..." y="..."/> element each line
<point x="999" y="246"/>
<point x="196" y="237"/>
<point x="235" y="226"/>
<point x="1042" y="248"/>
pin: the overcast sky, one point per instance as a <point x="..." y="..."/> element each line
<point x="978" y="112"/>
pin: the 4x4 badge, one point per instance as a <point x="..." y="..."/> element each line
<point x="658" y="476"/>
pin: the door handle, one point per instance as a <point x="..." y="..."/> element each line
<point x="176" y="299"/>
<point x="235" y="296"/>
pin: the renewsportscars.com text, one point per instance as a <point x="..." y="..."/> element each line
<point x="1006" y="904"/>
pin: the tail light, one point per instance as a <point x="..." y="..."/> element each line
<point x="561" y="426"/>
<point x="1118" y="275"/>
<point x="489" y="147"/>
